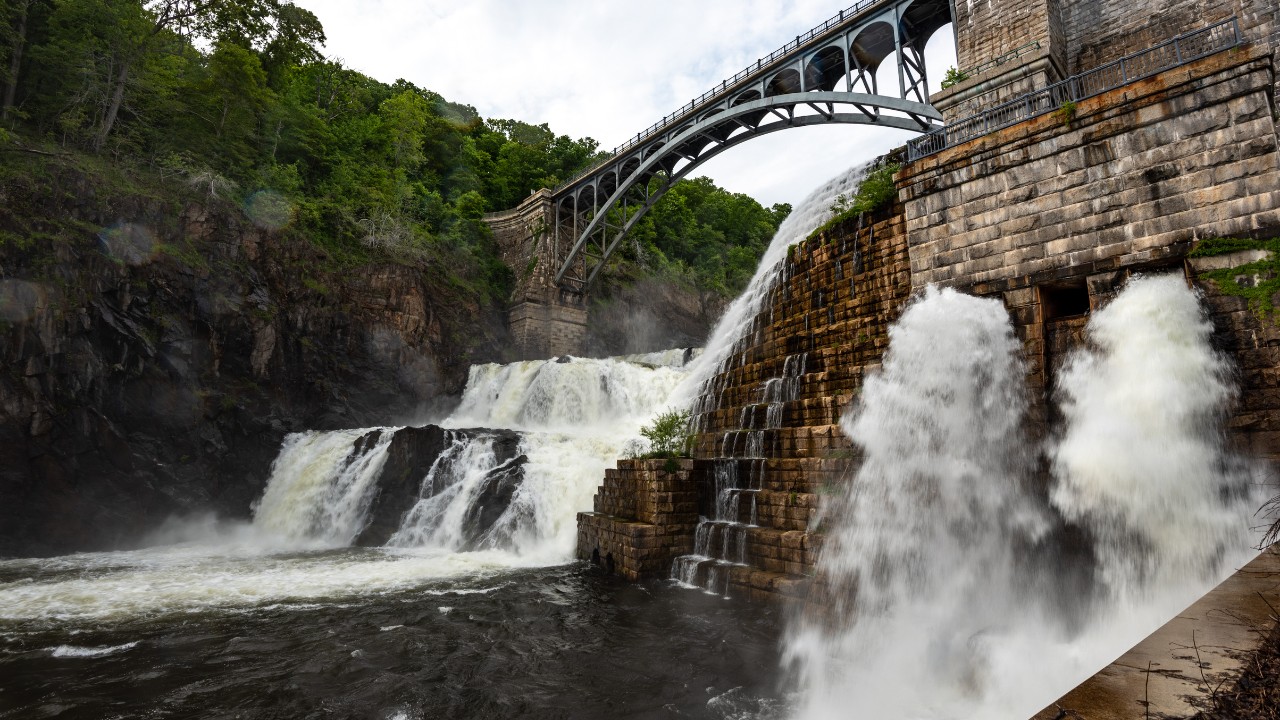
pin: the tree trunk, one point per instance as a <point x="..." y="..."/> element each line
<point x="117" y="97"/>
<point x="15" y="61"/>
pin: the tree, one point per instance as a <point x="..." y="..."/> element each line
<point x="15" y="36"/>
<point x="296" y="40"/>
<point x="242" y="22"/>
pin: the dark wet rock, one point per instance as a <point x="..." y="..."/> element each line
<point x="130" y="393"/>
<point x="412" y="454"/>
<point x="650" y="314"/>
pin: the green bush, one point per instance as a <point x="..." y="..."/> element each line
<point x="668" y="434"/>
<point x="953" y="77"/>
<point x="1257" y="282"/>
<point x="874" y="192"/>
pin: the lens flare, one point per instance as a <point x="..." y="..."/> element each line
<point x="19" y="299"/>
<point x="129" y="243"/>
<point x="269" y="210"/>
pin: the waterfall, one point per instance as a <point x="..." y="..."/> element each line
<point x="573" y="417"/>
<point x="442" y="517"/>
<point x="320" y="487"/>
<point x="939" y="566"/>
<point x="719" y="542"/>
<point x="1141" y="464"/>
<point x="741" y="322"/>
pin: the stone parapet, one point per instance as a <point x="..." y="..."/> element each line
<point x="1131" y="178"/>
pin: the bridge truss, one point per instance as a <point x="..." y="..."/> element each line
<point x="827" y="75"/>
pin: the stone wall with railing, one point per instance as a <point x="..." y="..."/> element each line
<point x="1128" y="177"/>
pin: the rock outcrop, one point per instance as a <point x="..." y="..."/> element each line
<point x="157" y="346"/>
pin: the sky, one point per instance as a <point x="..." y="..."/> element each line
<point x="607" y="69"/>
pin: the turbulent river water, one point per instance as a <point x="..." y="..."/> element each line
<point x="965" y="592"/>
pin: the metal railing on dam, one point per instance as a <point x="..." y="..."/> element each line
<point x="1180" y="50"/>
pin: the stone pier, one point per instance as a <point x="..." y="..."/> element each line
<point x="545" y="320"/>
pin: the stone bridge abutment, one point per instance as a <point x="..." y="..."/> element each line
<point x="544" y="319"/>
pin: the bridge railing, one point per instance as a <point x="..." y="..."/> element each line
<point x="832" y="22"/>
<point x="1180" y="50"/>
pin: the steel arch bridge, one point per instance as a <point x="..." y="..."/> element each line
<point x="827" y="75"/>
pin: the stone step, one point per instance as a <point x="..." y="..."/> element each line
<point x="800" y="442"/>
<point x="763" y="585"/>
<point x="635" y="550"/>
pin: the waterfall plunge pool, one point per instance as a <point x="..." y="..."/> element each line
<point x="559" y="642"/>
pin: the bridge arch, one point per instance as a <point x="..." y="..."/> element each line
<point x="635" y="195"/>
<point x="828" y="75"/>
<point x="826" y="68"/>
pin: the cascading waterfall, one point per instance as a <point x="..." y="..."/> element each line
<point x="321" y="485"/>
<point x="935" y="561"/>
<point x="477" y="511"/>
<point x="719" y="542"/>
<point x="574" y="416"/>
<point x="449" y="492"/>
<point x="1142" y="464"/>
<point x="741" y="324"/>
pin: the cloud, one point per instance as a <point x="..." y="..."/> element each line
<point x="603" y="69"/>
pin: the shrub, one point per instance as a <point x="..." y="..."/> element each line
<point x="874" y="192"/>
<point x="668" y="434"/>
<point x="1066" y="112"/>
<point x="953" y="77"/>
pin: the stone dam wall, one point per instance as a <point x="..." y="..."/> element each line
<point x="1049" y="216"/>
<point x="829" y="323"/>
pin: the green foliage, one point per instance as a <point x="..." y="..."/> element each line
<point x="706" y="235"/>
<point x="1257" y="282"/>
<point x="1066" y="112"/>
<point x="1223" y="245"/>
<point x="668" y="435"/>
<point x="874" y="192"/>
<point x="315" y="285"/>
<point x="184" y="254"/>
<point x="953" y="77"/>
<point x="227" y="98"/>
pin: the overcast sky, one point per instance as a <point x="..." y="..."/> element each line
<point x="607" y="69"/>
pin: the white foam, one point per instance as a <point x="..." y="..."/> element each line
<point x="73" y="651"/>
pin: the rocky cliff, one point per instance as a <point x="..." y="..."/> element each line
<point x="157" y="343"/>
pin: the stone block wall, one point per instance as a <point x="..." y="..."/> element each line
<point x="554" y="324"/>
<point x="839" y="294"/>
<point x="644" y="517"/>
<point x="1136" y="176"/>
<point x="1099" y="31"/>
<point x="1252" y="340"/>
<point x="1076" y="36"/>
<point x="826" y="323"/>
<point x="544" y="320"/>
<point x="989" y="30"/>
<point x="997" y="85"/>
<point x="1053" y="218"/>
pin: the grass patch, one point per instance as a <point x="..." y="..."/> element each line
<point x="1257" y="282"/>
<point x="874" y="192"/>
<point x="184" y="254"/>
<point x="1223" y="245"/>
<point x="315" y="285"/>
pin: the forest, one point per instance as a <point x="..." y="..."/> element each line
<point x="237" y="99"/>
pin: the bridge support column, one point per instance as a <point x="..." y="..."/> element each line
<point x="544" y="320"/>
<point x="1015" y="46"/>
<point x="552" y="326"/>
